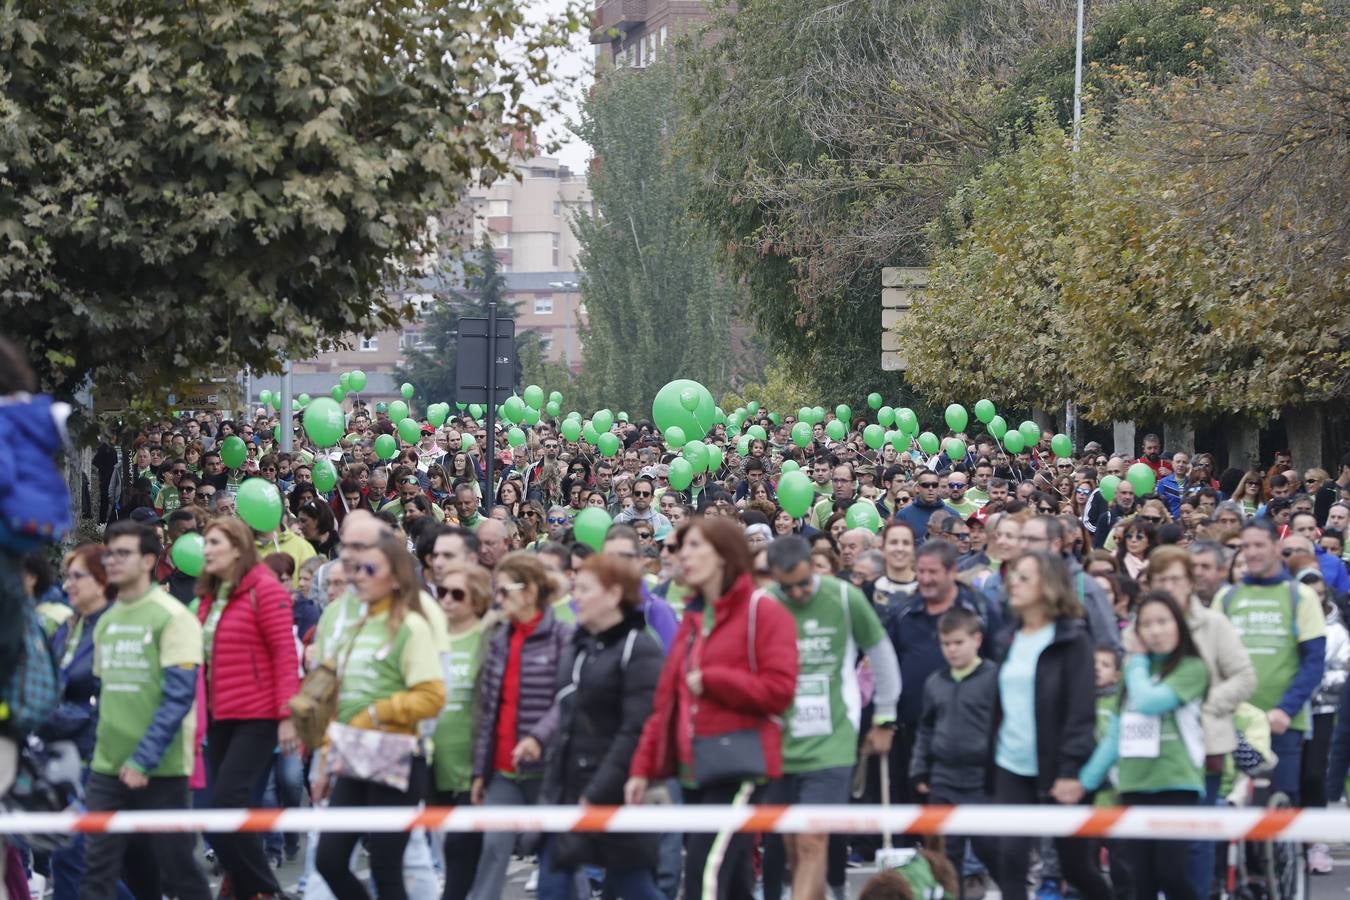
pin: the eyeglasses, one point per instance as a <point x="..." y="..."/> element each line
<point x="455" y="594"/>
<point x="557" y="520"/>
<point x="1064" y="465"/>
<point x="531" y="513"/>
<point x="503" y="589"/>
<point x="366" y="569"/>
<point x="1101" y="462"/>
<point x="180" y="472"/>
<point x="1312" y="481"/>
<point x="76" y="576"/>
<point x="961" y="535"/>
<point x="269" y="468"/>
<point x="642" y="493"/>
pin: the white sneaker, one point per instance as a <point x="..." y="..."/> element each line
<point x="532" y="883"/>
<point x="1319" y="859"/>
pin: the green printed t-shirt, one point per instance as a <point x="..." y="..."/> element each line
<point x="1263" y="618"/>
<point x="380" y="667"/>
<point x="134" y="642"/>
<point x="822" y="726"/>
<point x="1175" y="761"/>
<point x="453" y="741"/>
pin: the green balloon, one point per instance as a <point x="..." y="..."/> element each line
<point x="590" y="527"/>
<point x="259" y="504"/>
<point x="997" y="428"/>
<point x="187" y="553"/>
<point x="863" y="514"/>
<point x="534" y="396"/>
<point x="513" y="410"/>
<point x="1142" y="477"/>
<point x="899" y="440"/>
<point x="276" y="433"/>
<point x="352" y="437"/>
<point x="842" y="411"/>
<point x="324" y="422"/>
<point x="1031" y="432"/>
<point x="689" y="399"/>
<point x="609" y="443"/>
<point x="603" y="420"/>
<point x="409" y="430"/>
<point x="476" y="410"/>
<point x="801" y="434"/>
<point x="790" y="465"/>
<point x="398" y="411"/>
<point x="385" y="446"/>
<point x="381" y="407"/>
<point x="874" y="400"/>
<point x="1108" y="487"/>
<point x="1013" y="442"/>
<point x="835" y="429"/>
<point x="553" y="408"/>
<point x="531" y="416"/>
<point x="734" y="422"/>
<point x="757" y="432"/>
<point x="345" y="381"/>
<point x="571" y="429"/>
<point x="874" y="436"/>
<point x="719" y="417"/>
<point x="907" y="421"/>
<point x="337" y="393"/>
<point x="957" y="417"/>
<point x="265" y="397"/>
<point x="302" y="401"/>
<point x="795" y="494"/>
<point x="806" y="414"/>
<point x="233" y="452"/>
<point x="437" y="413"/>
<point x="674" y="437"/>
<point x="984" y="410"/>
<point x="681" y="473"/>
<point x="956" y="449"/>
<point x="714" y="457"/>
<point x="696" y="452"/>
<point x="467" y="442"/>
<point x="515" y="437"/>
<point x="325" y="475"/>
<point x="817" y="414"/>
<point x="358" y="380"/>
<point x="928" y="443"/>
<point x="886" y="416"/>
<point x="743" y="445"/>
<point x="668" y="410"/>
<point x="590" y="434"/>
<point x="407" y="390"/>
<point x="752" y="407"/>
<point x="1062" y="446"/>
<point x="776" y="419"/>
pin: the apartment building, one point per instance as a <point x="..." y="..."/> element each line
<point x="634" y="33"/>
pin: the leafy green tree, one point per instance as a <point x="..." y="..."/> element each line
<point x="188" y="185"/>
<point x="658" y="305"/>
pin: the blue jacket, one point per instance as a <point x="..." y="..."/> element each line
<point x="914" y="635"/>
<point x="916" y="515"/>
<point x="1171" y="491"/>
<point x="76" y="718"/>
<point x="34" y="501"/>
<point x="1333" y="571"/>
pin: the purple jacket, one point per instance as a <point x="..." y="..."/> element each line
<point x="660" y="617"/>
<point x="537" y="717"/>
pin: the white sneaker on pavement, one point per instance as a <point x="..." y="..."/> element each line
<point x="1319" y="859"/>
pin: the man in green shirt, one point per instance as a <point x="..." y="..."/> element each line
<point x="835" y="624"/>
<point x="1282" y="626"/>
<point x="466" y="503"/>
<point x="957" y="501"/>
<point x="147" y="650"/>
<point x="845" y="489"/>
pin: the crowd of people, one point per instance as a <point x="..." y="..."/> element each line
<point x="1007" y="635"/>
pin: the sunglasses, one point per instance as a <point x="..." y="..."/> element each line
<point x="1101" y="462"/>
<point x="903" y="498"/>
<point x="642" y="493"/>
<point x="455" y="594"/>
<point x="644" y="535"/>
<point x="366" y="569"/>
<point x="1083" y="492"/>
<point x="503" y="589"/>
<point x="956" y="485"/>
<point x="557" y="520"/>
<point x="187" y="490"/>
<point x="1156" y="520"/>
<point x="669" y="548"/>
<point x="927" y="485"/>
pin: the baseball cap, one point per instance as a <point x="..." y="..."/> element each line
<point x="145" y="516"/>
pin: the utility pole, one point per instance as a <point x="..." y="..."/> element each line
<point x="491" y="439"/>
<point x="287" y="439"/>
<point x="1070" y="413"/>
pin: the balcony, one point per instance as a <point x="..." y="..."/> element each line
<point x="617" y="15"/>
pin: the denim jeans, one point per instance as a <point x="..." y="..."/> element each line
<point x="565" y="884"/>
<point x="282" y="787"/>
<point x="1200" y="862"/>
<point x="68" y="865"/>
<point x="1289" y="748"/>
<point x="670" y="858"/>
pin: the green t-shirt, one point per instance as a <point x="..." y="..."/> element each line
<point x="1175" y="760"/>
<point x="336" y="619"/>
<point x="977" y="496"/>
<point x="452" y="759"/>
<point x="1107" y="704"/>
<point x="134" y="642"/>
<point x="562" y="610"/>
<point x="1263" y="617"/>
<point x="822" y="726"/>
<point x="168" y="500"/>
<point x="380" y="666"/>
<point x="965" y="509"/>
<point x="822" y="511"/>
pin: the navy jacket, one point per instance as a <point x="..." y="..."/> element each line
<point x="76" y="718"/>
<point x="914" y="634"/>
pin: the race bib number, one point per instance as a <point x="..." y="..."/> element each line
<point x="1140" y="736"/>
<point x="811" y="710"/>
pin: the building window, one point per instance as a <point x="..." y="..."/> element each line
<point x="651" y="48"/>
<point x="546" y="342"/>
<point x="541" y="172"/>
<point x="557" y="247"/>
<point x="501" y="240"/>
<point x="543" y="306"/>
<point x="370" y="344"/>
<point x="663" y="35"/>
<point x="499" y="207"/>
<point x="410" y="340"/>
<point x="557" y="208"/>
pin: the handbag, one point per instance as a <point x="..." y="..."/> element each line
<point x="315" y="705"/>
<point x="34" y="690"/>
<point x="370" y="755"/>
<point x="735" y="755"/>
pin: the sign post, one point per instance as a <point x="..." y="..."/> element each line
<point x="484" y="371"/>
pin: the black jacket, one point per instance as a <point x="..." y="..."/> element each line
<point x="953" y="711"/>
<point x="605" y="687"/>
<point x="1065" y="704"/>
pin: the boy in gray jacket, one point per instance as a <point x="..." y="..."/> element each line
<point x="951" y="751"/>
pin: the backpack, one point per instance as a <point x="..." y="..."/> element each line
<point x="34" y="690"/>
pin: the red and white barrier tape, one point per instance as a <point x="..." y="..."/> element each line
<point x="1174" y="823"/>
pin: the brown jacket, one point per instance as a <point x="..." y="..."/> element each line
<point x="1231" y="676"/>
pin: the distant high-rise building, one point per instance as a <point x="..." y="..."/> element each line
<point x="634" y="33"/>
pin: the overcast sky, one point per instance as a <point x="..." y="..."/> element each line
<point x="576" y="65"/>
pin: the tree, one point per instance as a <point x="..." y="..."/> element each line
<point x="187" y="185"/>
<point x="658" y="305"/>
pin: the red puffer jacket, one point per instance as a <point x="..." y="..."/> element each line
<point x="253" y="671"/>
<point x="734" y="697"/>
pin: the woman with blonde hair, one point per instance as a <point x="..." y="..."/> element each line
<point x="391" y="682"/>
<point x="251" y="673"/>
<point x="1047" y="698"/>
<point x="515" y="698"/>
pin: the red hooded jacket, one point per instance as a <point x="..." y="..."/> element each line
<point x="735" y="697"/>
<point x="253" y="670"/>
